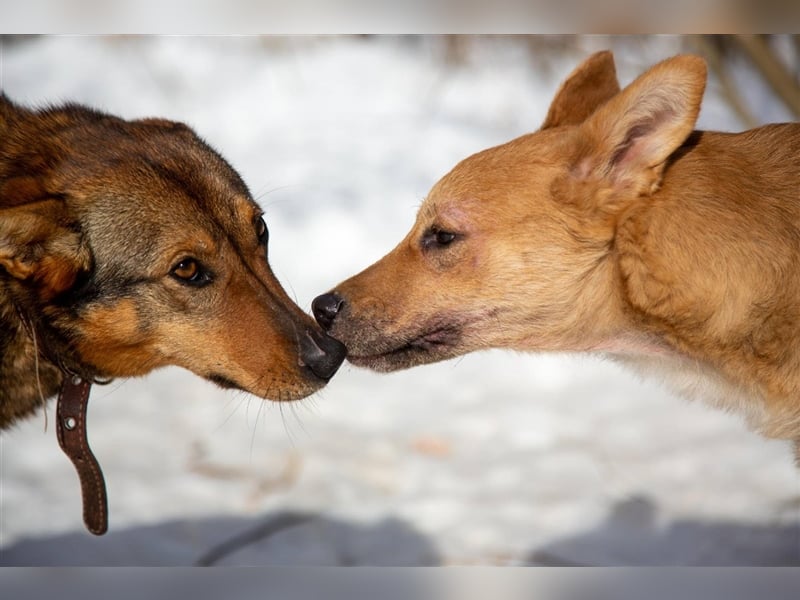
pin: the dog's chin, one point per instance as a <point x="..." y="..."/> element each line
<point x="397" y="361"/>
<point x="284" y="394"/>
<point x="424" y="348"/>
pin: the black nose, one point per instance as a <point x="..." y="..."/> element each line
<point x="325" y="308"/>
<point x="321" y="353"/>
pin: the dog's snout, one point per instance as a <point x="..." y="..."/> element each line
<point x="326" y="307"/>
<point x="321" y="353"/>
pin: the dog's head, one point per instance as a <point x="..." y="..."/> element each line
<point x="510" y="249"/>
<point x="131" y="245"/>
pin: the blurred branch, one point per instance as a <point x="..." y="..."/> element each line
<point x="255" y="534"/>
<point x="775" y="68"/>
<point x="456" y="48"/>
<point x="775" y="73"/>
<point x="711" y="47"/>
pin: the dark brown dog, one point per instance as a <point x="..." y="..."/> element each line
<point x="130" y="245"/>
<point x="614" y="229"/>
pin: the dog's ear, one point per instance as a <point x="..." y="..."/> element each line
<point x="590" y="85"/>
<point x="41" y="246"/>
<point x="627" y="141"/>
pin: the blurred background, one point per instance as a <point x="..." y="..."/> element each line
<point x="493" y="459"/>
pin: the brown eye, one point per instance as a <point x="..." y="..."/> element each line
<point x="262" y="233"/>
<point x="188" y="270"/>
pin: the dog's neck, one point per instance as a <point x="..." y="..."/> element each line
<point x="27" y="379"/>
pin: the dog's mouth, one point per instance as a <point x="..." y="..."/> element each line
<point x="439" y="343"/>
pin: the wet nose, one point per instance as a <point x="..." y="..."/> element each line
<point x="325" y="308"/>
<point x="321" y="353"/>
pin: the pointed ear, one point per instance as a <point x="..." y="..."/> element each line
<point x="590" y="85"/>
<point x="42" y="247"/>
<point x="629" y="139"/>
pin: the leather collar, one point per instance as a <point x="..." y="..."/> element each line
<point x="71" y="429"/>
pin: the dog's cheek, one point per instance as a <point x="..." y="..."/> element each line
<point x="458" y="258"/>
<point x="585" y="203"/>
<point x="262" y="362"/>
<point x="114" y="339"/>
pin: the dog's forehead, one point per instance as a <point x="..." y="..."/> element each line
<point x="156" y="205"/>
<point x="153" y="196"/>
<point x="460" y="214"/>
<point x="151" y="157"/>
<point x="480" y="181"/>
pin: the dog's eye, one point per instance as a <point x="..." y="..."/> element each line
<point x="437" y="238"/>
<point x="262" y="233"/>
<point x="444" y="237"/>
<point x="188" y="270"/>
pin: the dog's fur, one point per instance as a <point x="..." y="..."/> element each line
<point x="616" y="229"/>
<point x="100" y="220"/>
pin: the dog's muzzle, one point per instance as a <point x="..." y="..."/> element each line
<point x="321" y="354"/>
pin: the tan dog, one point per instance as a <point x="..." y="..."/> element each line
<point x="615" y="229"/>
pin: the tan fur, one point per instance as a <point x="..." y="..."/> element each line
<point x="588" y="86"/>
<point x="96" y="214"/>
<point x="615" y="229"/>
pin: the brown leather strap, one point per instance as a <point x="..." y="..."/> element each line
<point x="71" y="429"/>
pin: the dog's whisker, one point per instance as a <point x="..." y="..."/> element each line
<point x="262" y="194"/>
<point x="247" y="411"/>
<point x="293" y="408"/>
<point x="311" y="405"/>
<point x="231" y="398"/>
<point x="112" y="388"/>
<point x="294" y="293"/>
<point x="242" y="397"/>
<point x="255" y="427"/>
<point x="289" y="434"/>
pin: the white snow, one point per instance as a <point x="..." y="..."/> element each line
<point x="494" y="458"/>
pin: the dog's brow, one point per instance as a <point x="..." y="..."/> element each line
<point x="429" y="209"/>
<point x="244" y="206"/>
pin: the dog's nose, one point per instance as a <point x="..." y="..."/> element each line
<point x="321" y="353"/>
<point x="326" y="307"/>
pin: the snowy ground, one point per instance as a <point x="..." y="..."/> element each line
<point x="495" y="458"/>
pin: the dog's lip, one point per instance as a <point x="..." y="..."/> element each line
<point x="437" y="339"/>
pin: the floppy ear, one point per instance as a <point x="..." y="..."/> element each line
<point x="628" y="140"/>
<point x="591" y="84"/>
<point x="41" y="246"/>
